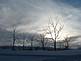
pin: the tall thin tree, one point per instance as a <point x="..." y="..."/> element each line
<point x="24" y="40"/>
<point x="14" y="36"/>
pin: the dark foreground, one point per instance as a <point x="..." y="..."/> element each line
<point x="5" y="57"/>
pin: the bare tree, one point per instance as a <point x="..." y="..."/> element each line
<point x="66" y="42"/>
<point x="43" y="38"/>
<point x="55" y="32"/>
<point x="14" y="37"/>
<point x="32" y="39"/>
<point x="42" y="41"/>
<point x="24" y="40"/>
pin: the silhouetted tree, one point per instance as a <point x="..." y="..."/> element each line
<point x="14" y="37"/>
<point x="43" y="38"/>
<point x="32" y="39"/>
<point x="66" y="42"/>
<point x="24" y="40"/>
<point x="54" y="30"/>
<point x="42" y="41"/>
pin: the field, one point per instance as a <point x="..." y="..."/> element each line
<point x="67" y="55"/>
<point x="40" y="58"/>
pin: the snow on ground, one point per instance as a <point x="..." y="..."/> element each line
<point x="40" y="58"/>
<point x="40" y="52"/>
<point x="66" y="55"/>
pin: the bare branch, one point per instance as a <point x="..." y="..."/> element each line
<point x="59" y="31"/>
<point x="55" y="31"/>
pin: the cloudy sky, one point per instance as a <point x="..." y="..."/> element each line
<point x="32" y="15"/>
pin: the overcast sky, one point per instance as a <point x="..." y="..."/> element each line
<point x="31" y="15"/>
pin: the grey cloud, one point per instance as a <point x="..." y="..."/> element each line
<point x="3" y="1"/>
<point x="30" y="15"/>
<point x="35" y="13"/>
<point x="14" y="13"/>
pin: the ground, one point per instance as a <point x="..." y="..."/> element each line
<point x="40" y="58"/>
<point x="68" y="55"/>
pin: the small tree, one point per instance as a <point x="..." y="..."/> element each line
<point x="32" y="39"/>
<point x="42" y="37"/>
<point x="66" y="42"/>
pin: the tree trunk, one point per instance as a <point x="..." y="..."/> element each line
<point x="13" y="40"/>
<point x="31" y="45"/>
<point x="55" y="45"/>
<point x="43" y="46"/>
<point x="23" y="44"/>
